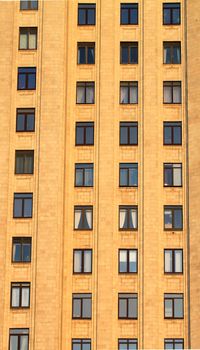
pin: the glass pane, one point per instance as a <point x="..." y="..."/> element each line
<point x="20" y="122"/>
<point x="123" y="261"/>
<point x="91" y="16"/>
<point x="86" y="346"/>
<point x="133" y="16"/>
<point x="23" y="342"/>
<point x="77" y="261"/>
<point x="89" y="94"/>
<point x="14" y="342"/>
<point x="88" y="177"/>
<point x="78" y="221"/>
<point x="178" y="308"/>
<point x="32" y="41"/>
<point x="90" y="55"/>
<point x="87" y="261"/>
<point x="177" y="135"/>
<point x="15" y="297"/>
<point x="90" y="135"/>
<point x="133" y="218"/>
<point x="133" y="261"/>
<point x="25" y="297"/>
<point x="21" y="81"/>
<point x="122" y="308"/>
<point x="27" y="208"/>
<point x="123" y="135"/>
<point x="23" y="44"/>
<point x="87" y="308"/>
<point x="167" y="94"/>
<point x="168" y="176"/>
<point x="16" y="252"/>
<point x="178" y="261"/>
<point x="88" y="219"/>
<point x="133" y="94"/>
<point x="79" y="177"/>
<point x="123" y="177"/>
<point x="123" y="218"/>
<point x="79" y="135"/>
<point x="80" y="94"/>
<point x="133" y="55"/>
<point x="167" y="18"/>
<point x="177" y="176"/>
<point x="178" y="218"/>
<point x="169" y="346"/>
<point x="133" y="177"/>
<point x="176" y="94"/>
<point x="81" y="16"/>
<point x="168" y="261"/>
<point x="176" y="16"/>
<point x="124" y="16"/>
<point x="133" y="135"/>
<point x="30" y="119"/>
<point x="167" y="135"/>
<point x="31" y="81"/>
<point x="132" y="346"/>
<point x="124" y="54"/>
<point x="179" y="346"/>
<point x="176" y="55"/>
<point x="28" y="164"/>
<point x="81" y="55"/>
<point x="167" y="55"/>
<point x="26" y="252"/>
<point x="76" y="346"/>
<point x="76" y="308"/>
<point x="124" y="94"/>
<point x="18" y="208"/>
<point x="123" y="346"/>
<point x="132" y="308"/>
<point x="168" y="218"/>
<point x="168" y="308"/>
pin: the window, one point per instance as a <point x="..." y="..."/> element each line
<point x="173" y="260"/>
<point x="26" y="78"/>
<point x="18" y="339"/>
<point x="173" y="305"/>
<point x="20" y="295"/>
<point x="129" y="52"/>
<point x="127" y="344"/>
<point x="128" y="92"/>
<point x="128" y="260"/>
<point x="171" y="13"/>
<point x="83" y="217"/>
<point x="85" y="93"/>
<point x="172" y="174"/>
<point x="172" y="133"/>
<point x="27" y="38"/>
<point x="127" y="306"/>
<point x="86" y="14"/>
<point x="23" y="203"/>
<point x="129" y="14"/>
<point x="24" y="162"/>
<point x="84" y="134"/>
<point x="128" y="133"/>
<point x="81" y="344"/>
<point x="25" y="120"/>
<point x="82" y="261"/>
<point x="128" y="218"/>
<point x="172" y="92"/>
<point x="86" y="53"/>
<point x="21" y="249"/>
<point x="128" y="176"/>
<point x="173" y="217"/>
<point x="172" y="52"/>
<point x="174" y="344"/>
<point x="82" y="306"/>
<point x="28" y="4"/>
<point x="84" y="175"/>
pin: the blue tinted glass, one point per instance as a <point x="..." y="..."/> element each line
<point x="20" y="122"/>
<point x="32" y="81"/>
<point x="178" y="218"/>
<point x="133" y="135"/>
<point x="28" y="208"/>
<point x="76" y="346"/>
<point x="26" y="252"/>
<point x="176" y="16"/>
<point x="124" y="54"/>
<point x="167" y="16"/>
<point x="16" y="252"/>
<point x="124" y="16"/>
<point x="133" y="16"/>
<point x="79" y="177"/>
<point x="123" y="135"/>
<point x="133" y="177"/>
<point x="167" y="135"/>
<point x="123" y="177"/>
<point x="30" y="122"/>
<point x="177" y="135"/>
<point x="90" y="135"/>
<point x="133" y="55"/>
<point x="17" y="208"/>
<point x="91" y="16"/>
<point x="88" y="177"/>
<point x="85" y="346"/>
<point x="90" y="55"/>
<point x="79" y="135"/>
<point x="81" y="16"/>
<point x="133" y="346"/>
<point x="168" y="177"/>
<point x="81" y="55"/>
<point x="169" y="346"/>
<point x="21" y="81"/>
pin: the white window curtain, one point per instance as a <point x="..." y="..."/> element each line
<point x="77" y="218"/>
<point x="87" y="261"/>
<point x="133" y="218"/>
<point x="15" y="296"/>
<point x="23" y="41"/>
<point x="24" y="342"/>
<point x="177" y="94"/>
<point x="90" y="94"/>
<point x="168" y="219"/>
<point x="77" y="261"/>
<point x="168" y="261"/>
<point x="25" y="296"/>
<point x="177" y="175"/>
<point x="124" y="94"/>
<point x="123" y="256"/>
<point x="80" y="94"/>
<point x="167" y="94"/>
<point x="88" y="214"/>
<point x="133" y="256"/>
<point x="178" y="261"/>
<point x="133" y="94"/>
<point x="123" y="214"/>
<point x="32" y="41"/>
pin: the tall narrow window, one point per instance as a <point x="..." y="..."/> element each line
<point x="173" y="260"/>
<point x="21" y="249"/>
<point x="172" y="52"/>
<point x="81" y="344"/>
<point x="85" y="93"/>
<point x="82" y="261"/>
<point x="173" y="217"/>
<point x="26" y="78"/>
<point x="28" y="4"/>
<point x="172" y="92"/>
<point x="128" y="133"/>
<point x="19" y="339"/>
<point x="82" y="306"/>
<point x="27" y="38"/>
<point x="86" y="53"/>
<point x="24" y="162"/>
<point x="172" y="133"/>
<point x="128" y="175"/>
<point x="129" y="92"/>
<point x="128" y="52"/>
<point x="20" y="295"/>
<point x="84" y="134"/>
<point x="127" y="344"/>
<point x="173" y="305"/>
<point x="129" y="13"/>
<point x="172" y="174"/>
<point x="128" y="304"/>
<point x="128" y="260"/>
<point x="84" y="175"/>
<point x="83" y="217"/>
<point x="174" y="344"/>
<point x="23" y="204"/>
<point x="171" y="13"/>
<point x="128" y="218"/>
<point x="86" y="14"/>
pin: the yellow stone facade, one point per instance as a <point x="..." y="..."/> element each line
<point x="49" y="318"/>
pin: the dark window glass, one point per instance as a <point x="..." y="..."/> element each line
<point x="85" y="92"/>
<point x="173" y="217"/>
<point x="83" y="217"/>
<point x="128" y="260"/>
<point x="172" y="92"/>
<point x="128" y="218"/>
<point x="82" y="306"/>
<point x="24" y="162"/>
<point x="128" y="133"/>
<point x="129" y="52"/>
<point x="129" y="14"/>
<point x="26" y="78"/>
<point x="129" y="92"/>
<point x="82" y="261"/>
<point x="86" y="53"/>
<point x="127" y="344"/>
<point x="21" y="249"/>
<point x="27" y="38"/>
<point x="84" y="134"/>
<point x="172" y="133"/>
<point x="174" y="344"/>
<point x="23" y="203"/>
<point x="86" y="14"/>
<point x="171" y="13"/>
<point x="81" y="344"/>
<point x="84" y="175"/>
<point x="172" y="52"/>
<point x="20" y="295"/>
<point x="18" y="339"/>
<point x="25" y="120"/>
<point x="128" y="176"/>
<point x="127" y="306"/>
<point x="173" y="259"/>
<point x="172" y="174"/>
<point x="173" y="305"/>
<point x="28" y="4"/>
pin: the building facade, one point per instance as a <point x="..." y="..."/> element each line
<point x="99" y="175"/>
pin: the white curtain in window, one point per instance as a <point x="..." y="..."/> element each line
<point x="178" y="261"/>
<point x="124" y="94"/>
<point x="90" y="94"/>
<point x="25" y="296"/>
<point x="122" y="217"/>
<point x="168" y="261"/>
<point x="32" y="41"/>
<point x="77" y="261"/>
<point x="177" y="175"/>
<point x="133" y="94"/>
<point x="133" y="256"/>
<point x="123" y="256"/>
<point x="23" y="41"/>
<point x="24" y="342"/>
<point x="87" y="261"/>
<point x="80" y="94"/>
<point x="165" y="54"/>
<point x="77" y="218"/>
<point x="167" y="94"/>
<point x="177" y="94"/>
<point x="89" y="218"/>
<point x="168" y="218"/>
<point x="15" y="297"/>
<point x="133" y="218"/>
